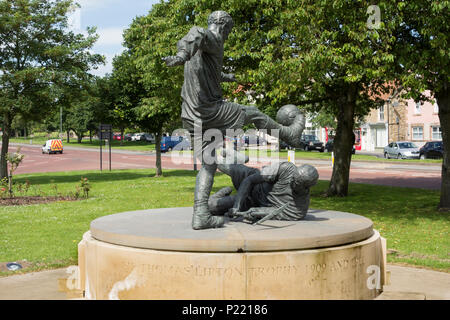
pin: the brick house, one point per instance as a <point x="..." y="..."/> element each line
<point x="400" y="119"/>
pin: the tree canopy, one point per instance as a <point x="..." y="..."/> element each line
<point x="320" y="55"/>
<point x="38" y="53"/>
<point x="421" y="47"/>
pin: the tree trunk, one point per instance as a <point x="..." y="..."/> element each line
<point x="121" y="136"/>
<point x="68" y="136"/>
<point x="90" y="136"/>
<point x="158" y="153"/>
<point x="343" y="144"/>
<point x="442" y="99"/>
<point x="5" y="145"/>
<point x="79" y="136"/>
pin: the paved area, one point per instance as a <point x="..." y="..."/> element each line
<point x="33" y="286"/>
<point x="414" y="282"/>
<point x="406" y="283"/>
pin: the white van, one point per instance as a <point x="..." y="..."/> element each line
<point x="52" y="146"/>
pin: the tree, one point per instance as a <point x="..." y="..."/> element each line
<point x="37" y="54"/>
<point x="126" y="91"/>
<point x="80" y="114"/>
<point x="324" y="120"/>
<point x="320" y="55"/>
<point x="149" y="39"/>
<point x="423" y="64"/>
<point x="80" y="101"/>
<point x="106" y="92"/>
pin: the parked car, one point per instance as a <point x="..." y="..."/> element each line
<point x="254" y="139"/>
<point x="329" y="146"/>
<point x="285" y="146"/>
<point x="149" y="138"/>
<point x="168" y="143"/>
<point x="432" y="150"/>
<point x="311" y="142"/>
<point x="401" y="150"/>
<point x="127" y="136"/>
<point x="117" y="136"/>
<point x="52" y="146"/>
<point x="142" y="136"/>
<point x="137" y="136"/>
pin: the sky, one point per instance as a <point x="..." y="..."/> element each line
<point x="111" y="17"/>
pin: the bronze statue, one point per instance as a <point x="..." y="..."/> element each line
<point x="261" y="193"/>
<point x="201" y="52"/>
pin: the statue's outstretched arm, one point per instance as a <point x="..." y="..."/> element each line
<point x="258" y="215"/>
<point x="187" y="47"/>
<point x="172" y="61"/>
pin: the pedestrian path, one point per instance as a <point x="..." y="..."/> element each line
<point x="415" y="282"/>
<point x="406" y="283"/>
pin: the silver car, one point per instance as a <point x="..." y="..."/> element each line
<point x="401" y="150"/>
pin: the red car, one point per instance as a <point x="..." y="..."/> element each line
<point x="117" y="136"/>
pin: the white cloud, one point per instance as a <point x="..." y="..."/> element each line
<point x="110" y="36"/>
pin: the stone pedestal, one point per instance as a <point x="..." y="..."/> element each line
<point x="155" y="254"/>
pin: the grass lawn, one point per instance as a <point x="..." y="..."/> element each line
<point x="47" y="235"/>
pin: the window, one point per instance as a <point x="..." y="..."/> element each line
<point x="381" y="113"/>
<point x="436" y="133"/>
<point x="310" y="131"/>
<point x="417" y="133"/>
<point x="418" y="107"/>
<point x="407" y="145"/>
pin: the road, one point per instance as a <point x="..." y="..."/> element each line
<point x="426" y="176"/>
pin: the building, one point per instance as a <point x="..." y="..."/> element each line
<point x="398" y="120"/>
<point x="423" y="122"/>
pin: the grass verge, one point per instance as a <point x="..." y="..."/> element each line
<point x="46" y="235"/>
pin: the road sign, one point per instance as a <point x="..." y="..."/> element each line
<point x="105" y="133"/>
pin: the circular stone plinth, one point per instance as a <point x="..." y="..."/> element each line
<point x="170" y="229"/>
